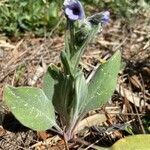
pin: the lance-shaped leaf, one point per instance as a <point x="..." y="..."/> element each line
<point x="81" y="91"/>
<point x="49" y="80"/>
<point x="31" y="107"/>
<point x="58" y="89"/>
<point x="66" y="63"/>
<point x="63" y="96"/>
<point x="103" y="83"/>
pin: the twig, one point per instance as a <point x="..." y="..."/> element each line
<point x="57" y="25"/>
<point x="140" y="121"/>
<point x="143" y="88"/>
<point x="92" y="73"/>
<point x="47" y="141"/>
<point x="129" y="95"/>
<point x="91" y="145"/>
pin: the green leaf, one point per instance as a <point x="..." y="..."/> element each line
<point x="58" y="89"/>
<point x="66" y="63"/>
<point x="63" y="96"/>
<point x="49" y="82"/>
<point x="136" y="142"/>
<point x="53" y="9"/>
<point x="31" y="107"/>
<point x="81" y="90"/>
<point x="77" y="55"/>
<point x="103" y="83"/>
<point x="79" y="102"/>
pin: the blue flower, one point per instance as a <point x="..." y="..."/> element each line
<point x="73" y="10"/>
<point x="105" y="17"/>
<point x="102" y="17"/>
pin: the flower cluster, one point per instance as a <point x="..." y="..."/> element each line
<point x="73" y="10"/>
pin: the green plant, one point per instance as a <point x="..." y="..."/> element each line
<point x="41" y="16"/>
<point x="65" y="89"/>
<point x="139" y="142"/>
<point x="38" y="16"/>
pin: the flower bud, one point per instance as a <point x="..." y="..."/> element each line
<point x="102" y="17"/>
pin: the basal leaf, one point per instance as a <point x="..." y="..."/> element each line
<point x="49" y="82"/>
<point x="136" y="142"/>
<point x="62" y="98"/>
<point x="31" y="107"/>
<point x="79" y="101"/>
<point x="103" y="83"/>
<point x="58" y="89"/>
<point x="81" y="90"/>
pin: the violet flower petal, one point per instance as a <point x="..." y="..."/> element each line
<point x="105" y="17"/>
<point x="70" y="14"/>
<point x="102" y="17"/>
<point x="73" y="10"/>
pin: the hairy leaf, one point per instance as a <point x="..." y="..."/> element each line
<point x="66" y="63"/>
<point x="49" y="82"/>
<point x="58" y="89"/>
<point x="63" y="97"/>
<point x="103" y="83"/>
<point x="88" y="37"/>
<point x="31" y="107"/>
<point x="141" y="142"/>
<point x="135" y="142"/>
<point x="81" y="92"/>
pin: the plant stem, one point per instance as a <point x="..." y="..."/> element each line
<point x="66" y="142"/>
<point x="60" y="131"/>
<point x="70" y="27"/>
<point x="81" y="50"/>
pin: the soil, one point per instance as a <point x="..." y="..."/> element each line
<point x="22" y="60"/>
